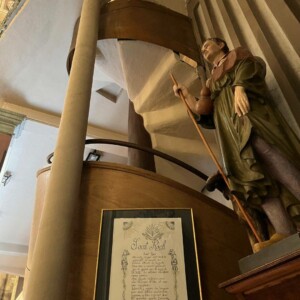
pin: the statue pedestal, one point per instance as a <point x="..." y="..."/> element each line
<point x="278" y="278"/>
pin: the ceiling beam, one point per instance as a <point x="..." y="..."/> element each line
<point x="52" y="120"/>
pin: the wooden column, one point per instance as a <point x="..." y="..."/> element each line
<point x="50" y="265"/>
<point x="137" y="134"/>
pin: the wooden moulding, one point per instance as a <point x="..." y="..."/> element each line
<point x="221" y="240"/>
<point x="4" y="144"/>
<point x="149" y="22"/>
<point x="276" y="280"/>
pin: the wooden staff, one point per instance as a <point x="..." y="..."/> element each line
<point x="233" y="197"/>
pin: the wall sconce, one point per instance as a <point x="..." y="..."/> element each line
<point x="95" y="155"/>
<point x="6" y="178"/>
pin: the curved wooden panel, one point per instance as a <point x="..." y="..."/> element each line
<point x="148" y="22"/>
<point x="221" y="240"/>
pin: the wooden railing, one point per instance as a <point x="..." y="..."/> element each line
<point x="145" y="149"/>
<point x="149" y="22"/>
<point x="144" y="21"/>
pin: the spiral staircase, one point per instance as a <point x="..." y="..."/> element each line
<point x="141" y="65"/>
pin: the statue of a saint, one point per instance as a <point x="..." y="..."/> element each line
<point x="261" y="154"/>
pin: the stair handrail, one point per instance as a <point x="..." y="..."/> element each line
<point x="145" y="149"/>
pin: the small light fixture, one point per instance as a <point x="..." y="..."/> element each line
<point x="6" y="178"/>
<point x="95" y="155"/>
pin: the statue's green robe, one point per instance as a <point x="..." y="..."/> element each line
<point x="246" y="175"/>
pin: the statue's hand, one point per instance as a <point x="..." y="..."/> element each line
<point x="182" y="88"/>
<point x="241" y="102"/>
<point x="189" y="99"/>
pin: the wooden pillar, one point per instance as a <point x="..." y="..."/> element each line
<point x="137" y="134"/>
<point x="50" y="266"/>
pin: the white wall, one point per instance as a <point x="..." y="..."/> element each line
<point x="27" y="154"/>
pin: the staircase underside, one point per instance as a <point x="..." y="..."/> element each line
<point x="142" y="69"/>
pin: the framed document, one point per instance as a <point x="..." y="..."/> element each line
<point x="147" y="254"/>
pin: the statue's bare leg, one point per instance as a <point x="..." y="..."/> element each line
<point x="284" y="172"/>
<point x="279" y="166"/>
<point x="278" y="216"/>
